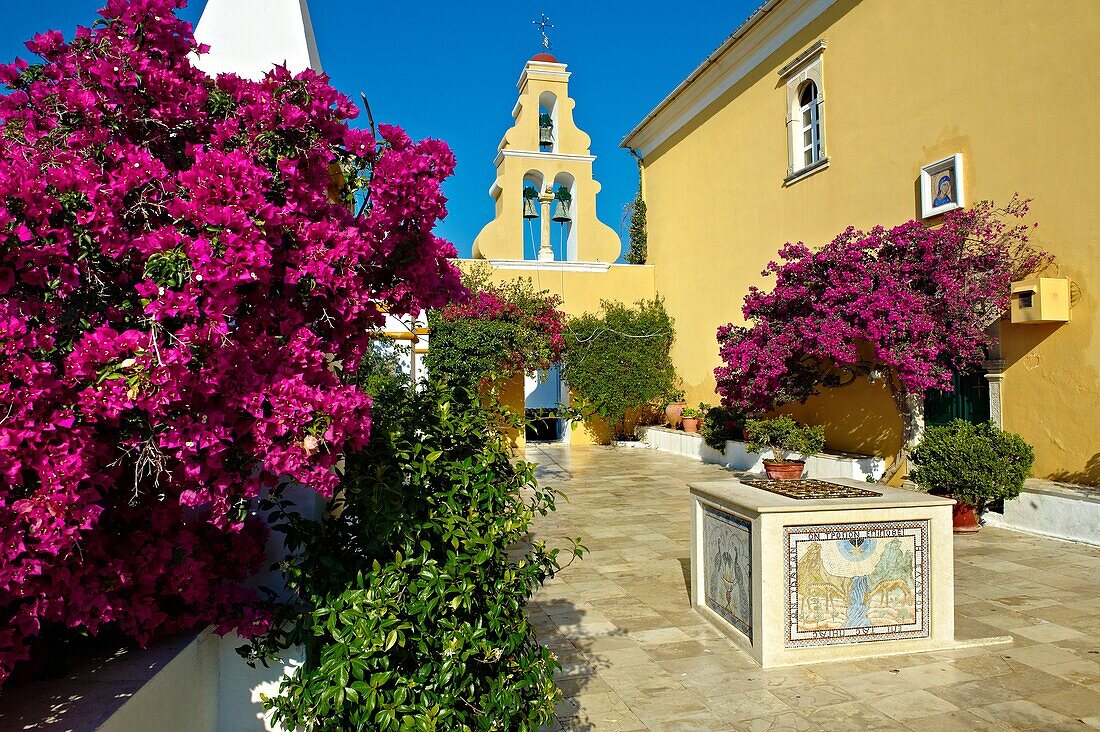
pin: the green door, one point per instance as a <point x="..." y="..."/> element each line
<point x="969" y="400"/>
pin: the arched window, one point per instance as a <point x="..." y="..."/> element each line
<point x="807" y="149"/>
<point x="809" y="101"/>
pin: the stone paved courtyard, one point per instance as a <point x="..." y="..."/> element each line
<point x="636" y="657"/>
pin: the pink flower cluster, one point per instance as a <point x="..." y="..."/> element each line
<point x="534" y="320"/>
<point x="188" y="267"/>
<point x="912" y="303"/>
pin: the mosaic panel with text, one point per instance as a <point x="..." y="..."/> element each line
<point x="851" y="583"/>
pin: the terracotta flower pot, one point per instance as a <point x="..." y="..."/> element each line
<point x="672" y="413"/>
<point x="964" y="518"/>
<point x="784" y="469"/>
<point x="691" y="424"/>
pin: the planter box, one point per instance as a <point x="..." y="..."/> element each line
<point x="738" y="457"/>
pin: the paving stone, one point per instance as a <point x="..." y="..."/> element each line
<point x="1020" y="714"/>
<point x="638" y="658"/>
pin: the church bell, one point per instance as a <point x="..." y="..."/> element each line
<point x="530" y="208"/>
<point x="561" y="212"/>
<point x="546" y="131"/>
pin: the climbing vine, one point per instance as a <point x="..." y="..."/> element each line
<point x="906" y="307"/>
<point x="619" y="359"/>
<point x="184" y="289"/>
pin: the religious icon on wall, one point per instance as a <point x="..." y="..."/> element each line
<point x="941" y="186"/>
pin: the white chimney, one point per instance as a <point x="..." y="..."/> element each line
<point x="250" y="37"/>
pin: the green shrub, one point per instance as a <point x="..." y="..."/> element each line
<point x="410" y="596"/>
<point x="721" y="424"/>
<point x="618" y="360"/>
<point x="975" y="463"/>
<point x="783" y="435"/>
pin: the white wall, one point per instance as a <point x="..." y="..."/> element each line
<point x="207" y="687"/>
<point x="1054" y="510"/>
<point x="250" y="37"/>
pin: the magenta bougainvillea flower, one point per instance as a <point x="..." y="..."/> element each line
<point x="909" y="305"/>
<point x="187" y="268"/>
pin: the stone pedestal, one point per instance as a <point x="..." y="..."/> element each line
<point x="796" y="580"/>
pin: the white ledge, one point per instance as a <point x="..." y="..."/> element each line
<point x="806" y="172"/>
<point x="531" y="154"/>
<point x="549" y="266"/>
<point x="737" y="456"/>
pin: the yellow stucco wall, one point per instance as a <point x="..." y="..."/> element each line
<point x="1011" y="84"/>
<point x="581" y="292"/>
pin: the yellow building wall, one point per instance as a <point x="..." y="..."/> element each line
<point x="581" y="292"/>
<point x="1011" y="84"/>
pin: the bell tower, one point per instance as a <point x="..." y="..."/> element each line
<point x="544" y="193"/>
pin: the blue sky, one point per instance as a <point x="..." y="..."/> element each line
<point x="449" y="70"/>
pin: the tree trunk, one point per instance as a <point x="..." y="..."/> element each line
<point x="911" y="410"/>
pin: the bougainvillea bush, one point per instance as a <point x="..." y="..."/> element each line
<point x="502" y="330"/>
<point x="908" y="305"/>
<point x="186" y="264"/>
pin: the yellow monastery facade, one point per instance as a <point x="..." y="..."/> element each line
<point x="812" y="116"/>
<point x="819" y="114"/>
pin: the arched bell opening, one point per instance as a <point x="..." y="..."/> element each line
<point x="563" y="217"/>
<point x="532" y="213"/>
<point x="548" y="122"/>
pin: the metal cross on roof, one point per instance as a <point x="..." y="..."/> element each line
<point x="543" y="23"/>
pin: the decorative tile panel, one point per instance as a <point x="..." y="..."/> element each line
<point x="727" y="567"/>
<point x="852" y="583"/>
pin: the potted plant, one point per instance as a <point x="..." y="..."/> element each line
<point x="973" y="463"/>
<point x="674" y="408"/>
<point x="722" y="424"/>
<point x="692" y="418"/>
<point x="783" y="437"/>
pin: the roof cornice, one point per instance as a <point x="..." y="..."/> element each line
<point x="543" y="70"/>
<point x="569" y="157"/>
<point x="762" y="34"/>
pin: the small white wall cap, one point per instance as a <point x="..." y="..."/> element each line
<point x="251" y="37"/>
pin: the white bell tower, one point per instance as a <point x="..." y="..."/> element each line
<point x="250" y="37"/>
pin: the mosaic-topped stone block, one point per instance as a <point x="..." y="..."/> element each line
<point x="851" y="574"/>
